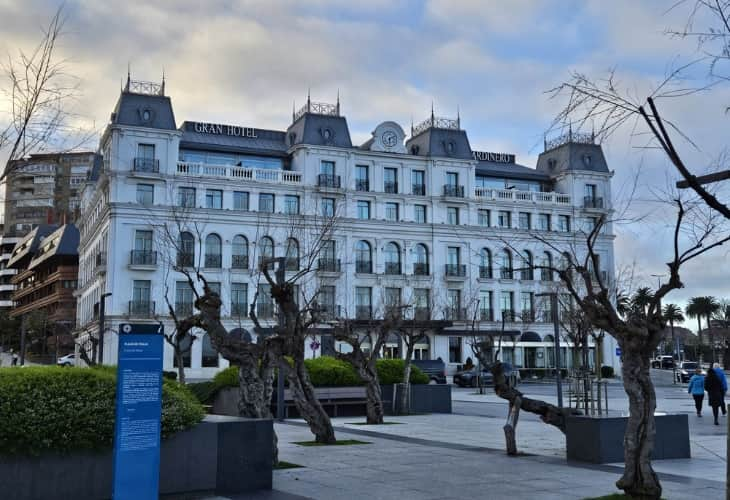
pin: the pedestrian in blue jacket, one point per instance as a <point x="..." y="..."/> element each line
<point x="697" y="389"/>
<point x="721" y="373"/>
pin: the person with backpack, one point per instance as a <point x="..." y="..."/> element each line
<point x="697" y="389"/>
<point x="715" y="392"/>
<point x="721" y="374"/>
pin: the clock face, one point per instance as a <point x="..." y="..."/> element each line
<point x="389" y="138"/>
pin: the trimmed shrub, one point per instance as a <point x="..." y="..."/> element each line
<point x="170" y="374"/>
<point x="390" y="371"/>
<point x="61" y="409"/>
<point x="228" y="377"/>
<point x="326" y="371"/>
<point x="204" y="392"/>
<point x="606" y="371"/>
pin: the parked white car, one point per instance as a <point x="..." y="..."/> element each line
<point x="67" y="360"/>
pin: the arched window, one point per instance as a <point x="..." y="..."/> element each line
<point x="239" y="250"/>
<point x="213" y="251"/>
<point x="485" y="263"/>
<point x="186" y="250"/>
<point x="564" y="261"/>
<point x="363" y="257"/>
<point x="505" y="264"/>
<point x="392" y="258"/>
<point x="292" y="255"/>
<point x="420" y="263"/>
<point x="266" y="252"/>
<point x="546" y="273"/>
<point x="526" y="265"/>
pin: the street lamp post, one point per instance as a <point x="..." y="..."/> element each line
<point x="102" y="302"/>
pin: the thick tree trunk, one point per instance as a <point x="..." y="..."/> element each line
<point x="404" y="396"/>
<point x="510" y="428"/>
<point x="180" y="366"/>
<point x="308" y="405"/>
<point x="639" y="479"/>
<point x="254" y="394"/>
<point x="374" y="404"/>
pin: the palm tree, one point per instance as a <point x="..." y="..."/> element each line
<point x="641" y="299"/>
<point x="623" y="303"/>
<point x="694" y="310"/>
<point x="710" y="306"/>
<point x="703" y="308"/>
<point x="672" y="313"/>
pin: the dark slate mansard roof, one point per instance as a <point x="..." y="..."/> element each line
<point x="447" y="143"/>
<point x="28" y="246"/>
<point x="573" y="155"/>
<point x="68" y="245"/>
<point x="131" y="106"/>
<point x="311" y="129"/>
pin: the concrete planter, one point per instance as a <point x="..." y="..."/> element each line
<point x="601" y="439"/>
<point x="225" y="455"/>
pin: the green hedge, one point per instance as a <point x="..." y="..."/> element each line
<point x="67" y="409"/>
<point x="390" y="371"/>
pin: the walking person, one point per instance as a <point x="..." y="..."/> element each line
<point x="713" y="386"/>
<point x="14" y="357"/>
<point x="721" y="374"/>
<point x="696" y="387"/>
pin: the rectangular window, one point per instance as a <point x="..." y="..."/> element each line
<point x="485" y="305"/>
<point x="264" y="302"/>
<point x="543" y="222"/>
<point x="214" y="198"/>
<point x="363" y="209"/>
<point x="326" y="299"/>
<point x="266" y="203"/>
<point x="327" y="168"/>
<point x="452" y="215"/>
<point x="528" y="307"/>
<point x="146" y="151"/>
<point x="483" y="218"/>
<point x="453" y="255"/>
<point x="421" y="300"/>
<point x="507" y="306"/>
<point x="390" y="180"/>
<point x="291" y="204"/>
<point x="143" y="240"/>
<point x="419" y="214"/>
<point x="145" y="160"/>
<point x="525" y="221"/>
<point x="141" y="304"/>
<point x="186" y="197"/>
<point x="590" y="191"/>
<point x="240" y="200"/>
<point x="454" y="349"/>
<point x="327" y="207"/>
<point x="564" y="223"/>
<point x="504" y="219"/>
<point x="239" y="299"/>
<point x="392" y="297"/>
<point x="209" y="356"/>
<point x="453" y="301"/>
<point x="145" y="194"/>
<point x="452" y="178"/>
<point x="418" y="179"/>
<point x="363" y="296"/>
<point x="362" y="178"/>
<point x="391" y="211"/>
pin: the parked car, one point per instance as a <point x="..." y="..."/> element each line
<point x="434" y="368"/>
<point x="686" y="370"/>
<point x="665" y="362"/>
<point x="67" y="360"/>
<point x="468" y="378"/>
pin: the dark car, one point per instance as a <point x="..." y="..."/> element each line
<point x="686" y="370"/>
<point x="663" y="362"/>
<point x="468" y="378"/>
<point x="434" y="368"/>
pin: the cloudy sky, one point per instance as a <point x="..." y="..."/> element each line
<point x="247" y="62"/>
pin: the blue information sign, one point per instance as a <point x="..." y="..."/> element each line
<point x="618" y="351"/>
<point x="139" y="407"/>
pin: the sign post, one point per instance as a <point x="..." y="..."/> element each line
<point x="138" y="412"/>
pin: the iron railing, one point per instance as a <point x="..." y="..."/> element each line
<point x="457" y="270"/>
<point x="143" y="258"/>
<point x="239" y="261"/>
<point x="453" y="190"/>
<point x="213" y="261"/>
<point x="329" y="265"/>
<point x="146" y="165"/>
<point x="185" y="259"/>
<point x="183" y="308"/>
<point x="485" y="272"/>
<point x="238" y="309"/>
<point x="264" y="310"/>
<point x="508" y="315"/>
<point x="363" y="312"/>
<point x="364" y="266"/>
<point x="392" y="268"/>
<point x="455" y="314"/>
<point x="142" y="308"/>
<point x="420" y="269"/>
<point x="486" y="315"/>
<point x="362" y="185"/>
<point x="327" y="180"/>
<point x="390" y="187"/>
<point x="592" y="202"/>
<point x="418" y="189"/>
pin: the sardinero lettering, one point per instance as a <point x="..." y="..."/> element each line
<point x="220" y="129"/>
<point x="493" y="157"/>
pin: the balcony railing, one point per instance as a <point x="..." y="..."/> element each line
<point x="362" y="185"/>
<point x="213" y="261"/>
<point x="238" y="309"/>
<point x="455" y="314"/>
<point x="269" y="262"/>
<point x="291" y="264"/>
<point x="142" y="308"/>
<point x="419" y="189"/>
<point x="183" y="308"/>
<point x="506" y="273"/>
<point x="329" y="312"/>
<point x="508" y="315"/>
<point x="546" y="275"/>
<point x="420" y="269"/>
<point x="185" y="259"/>
<point x="239" y="262"/>
<point x="151" y="165"/>
<point x="514" y="195"/>
<point x="390" y="187"/>
<point x="100" y="259"/>
<point x="527" y="316"/>
<point x="143" y="258"/>
<point x="329" y="265"/>
<point x="269" y="176"/>
<point x="545" y="316"/>
<point x="327" y="180"/>
<point x="392" y="268"/>
<point x="264" y="310"/>
<point x="592" y="202"/>
<point x="453" y="190"/>
<point x="485" y="272"/>
<point x="456" y="270"/>
<point x="364" y="266"/>
<point x="486" y="315"/>
<point x="422" y="313"/>
<point x="363" y="312"/>
<point x="526" y="275"/>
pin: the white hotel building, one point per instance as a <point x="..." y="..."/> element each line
<point x="425" y="219"/>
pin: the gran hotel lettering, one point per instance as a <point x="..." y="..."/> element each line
<point x="220" y="129"/>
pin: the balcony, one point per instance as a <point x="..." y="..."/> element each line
<point x="147" y="165"/>
<point x="546" y="275"/>
<point x="264" y="310"/>
<point x="364" y="266"/>
<point x="527" y="316"/>
<point x="183" y="309"/>
<point x="143" y="258"/>
<point x="455" y="314"/>
<point x="363" y="312"/>
<point x="329" y="265"/>
<point x="592" y="202"/>
<point x="239" y="310"/>
<point x="526" y="275"/>
<point x="393" y="312"/>
<point x="239" y="262"/>
<point x="453" y="190"/>
<point x="418" y="189"/>
<point x="485" y="272"/>
<point x="362" y="185"/>
<point x="213" y="261"/>
<point x="455" y="270"/>
<point x="420" y="269"/>
<point x="392" y="268"/>
<point x="506" y="273"/>
<point x="328" y="181"/>
<point x="291" y="264"/>
<point x="265" y="175"/>
<point x="142" y="308"/>
<point x="390" y="187"/>
<point x="330" y="312"/>
<point x="486" y="315"/>
<point x="522" y="196"/>
<point x="185" y="259"/>
<point x="508" y="315"/>
<point x="268" y="260"/>
<point x="422" y="313"/>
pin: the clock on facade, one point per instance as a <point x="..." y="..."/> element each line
<point x="389" y="138"/>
